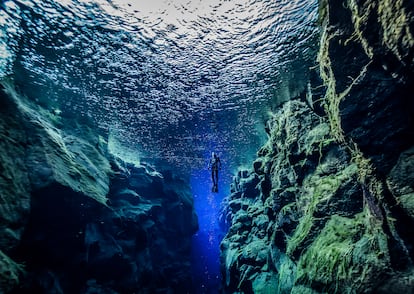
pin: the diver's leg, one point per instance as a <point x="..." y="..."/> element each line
<point x="212" y="177"/>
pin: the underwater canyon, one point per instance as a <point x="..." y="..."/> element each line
<point x="110" y="111"/>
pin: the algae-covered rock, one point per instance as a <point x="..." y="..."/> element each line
<point x="70" y="155"/>
<point x="37" y="152"/>
<point x="335" y="226"/>
<point x="366" y="64"/>
<point x="345" y="253"/>
<point x="332" y="226"/>
<point x="310" y="180"/>
<point x="14" y="174"/>
<point x="322" y="196"/>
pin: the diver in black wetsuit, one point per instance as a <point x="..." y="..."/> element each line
<point x="214" y="165"/>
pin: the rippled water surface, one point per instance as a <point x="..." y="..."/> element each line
<point x="170" y="79"/>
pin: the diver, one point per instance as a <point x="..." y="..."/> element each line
<point x="214" y="165"/>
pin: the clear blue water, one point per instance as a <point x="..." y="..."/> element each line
<point x="206" y="251"/>
<point x="165" y="77"/>
<point x="167" y="81"/>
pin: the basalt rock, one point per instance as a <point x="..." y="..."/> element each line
<point x="76" y="219"/>
<point x="312" y="181"/>
<point x="366" y="59"/>
<point x="331" y="209"/>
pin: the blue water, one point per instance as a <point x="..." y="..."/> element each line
<point x="206" y="251"/>
<point x="150" y="72"/>
<point x="166" y="81"/>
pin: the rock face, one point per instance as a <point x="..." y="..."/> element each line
<point x="327" y="206"/>
<point x="76" y="219"/>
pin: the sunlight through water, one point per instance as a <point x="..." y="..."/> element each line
<point x="167" y="78"/>
<point x="166" y="82"/>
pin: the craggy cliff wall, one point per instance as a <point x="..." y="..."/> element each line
<point x="328" y="206"/>
<point x="76" y="219"/>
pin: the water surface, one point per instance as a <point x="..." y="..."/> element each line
<point x="168" y="80"/>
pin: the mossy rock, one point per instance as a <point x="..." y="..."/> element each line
<point x="314" y="204"/>
<point x="348" y="256"/>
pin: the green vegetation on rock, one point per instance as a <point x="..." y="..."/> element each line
<point x="345" y="254"/>
<point x="333" y="222"/>
<point x="317" y="189"/>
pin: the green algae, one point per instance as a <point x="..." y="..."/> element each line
<point x="322" y="12"/>
<point x="360" y="15"/>
<point x="318" y="137"/>
<point x="393" y="19"/>
<point x="317" y="189"/>
<point x="396" y="32"/>
<point x="347" y="253"/>
<point x="332" y="99"/>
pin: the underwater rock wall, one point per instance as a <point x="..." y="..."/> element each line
<point x="327" y="206"/>
<point x="76" y="219"/>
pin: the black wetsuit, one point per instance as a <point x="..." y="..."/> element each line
<point x="215" y="166"/>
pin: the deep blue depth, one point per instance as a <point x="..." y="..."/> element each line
<point x="206" y="242"/>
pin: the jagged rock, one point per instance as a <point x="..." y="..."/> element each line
<point x="334" y="227"/>
<point x="316" y="225"/>
<point x="144" y="238"/>
<point x="76" y="219"/>
<point x="14" y="190"/>
<point x="401" y="181"/>
<point x="368" y="47"/>
<point x="298" y="205"/>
